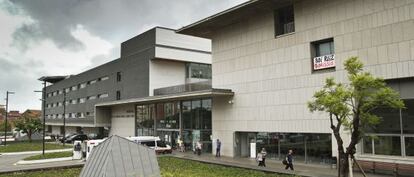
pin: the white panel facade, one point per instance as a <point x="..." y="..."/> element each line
<point x="165" y="73"/>
<point x="122" y="121"/>
<point x="272" y="76"/>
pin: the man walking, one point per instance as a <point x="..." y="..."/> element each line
<point x="218" y="147"/>
<point x="289" y="159"/>
<point x="264" y="153"/>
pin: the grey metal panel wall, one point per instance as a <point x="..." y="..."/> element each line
<point x="134" y="84"/>
<point x="138" y="43"/>
<point x="118" y="156"/>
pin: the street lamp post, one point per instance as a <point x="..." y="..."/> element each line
<point x="44" y="116"/>
<point x="7" y="108"/>
<point x="64" y="117"/>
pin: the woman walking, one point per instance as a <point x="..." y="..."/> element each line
<point x="289" y="160"/>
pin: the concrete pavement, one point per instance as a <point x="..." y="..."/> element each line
<point x="275" y="166"/>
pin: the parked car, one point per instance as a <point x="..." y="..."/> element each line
<point x="76" y="137"/>
<point x="66" y="137"/>
<point x="153" y="142"/>
<point x="94" y="136"/>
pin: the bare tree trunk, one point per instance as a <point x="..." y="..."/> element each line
<point x="29" y="135"/>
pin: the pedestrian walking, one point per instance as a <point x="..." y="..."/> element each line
<point x="264" y="153"/>
<point x="199" y="147"/>
<point x="289" y="160"/>
<point x="259" y="159"/>
<point x="180" y="145"/>
<point x="218" y="148"/>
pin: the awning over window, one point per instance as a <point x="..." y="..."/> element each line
<point x="172" y="97"/>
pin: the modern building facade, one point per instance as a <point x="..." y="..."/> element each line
<point x="268" y="58"/>
<point x="274" y="54"/>
<point x="154" y="59"/>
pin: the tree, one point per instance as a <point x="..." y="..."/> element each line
<point x="2" y="126"/>
<point x="28" y="124"/>
<point x="351" y="105"/>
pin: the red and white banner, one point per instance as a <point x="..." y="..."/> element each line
<point x="323" y="62"/>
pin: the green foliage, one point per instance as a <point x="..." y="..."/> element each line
<point x="21" y="146"/>
<point x="52" y="155"/>
<point x="2" y="125"/>
<point x="28" y="124"/>
<point x="353" y="103"/>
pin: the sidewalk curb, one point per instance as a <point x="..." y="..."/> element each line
<point x="28" y="162"/>
<point x="34" y="152"/>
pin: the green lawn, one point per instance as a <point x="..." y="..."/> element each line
<point x="27" y="146"/>
<point x="170" y="167"/>
<point x="69" y="172"/>
<point x="50" y="155"/>
<point x="174" y="167"/>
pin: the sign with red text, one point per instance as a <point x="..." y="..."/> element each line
<point x="323" y="62"/>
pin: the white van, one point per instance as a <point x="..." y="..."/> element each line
<point x="153" y="142"/>
<point x="90" y="144"/>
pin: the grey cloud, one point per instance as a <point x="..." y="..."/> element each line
<point x="20" y="78"/>
<point x="114" y="21"/>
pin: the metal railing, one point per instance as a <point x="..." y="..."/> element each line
<point x="197" y="86"/>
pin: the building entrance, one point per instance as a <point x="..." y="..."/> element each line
<point x="170" y="137"/>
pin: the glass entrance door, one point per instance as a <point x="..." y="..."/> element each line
<point x="170" y="137"/>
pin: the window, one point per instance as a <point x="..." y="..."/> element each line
<point x="82" y="100"/>
<point x="104" y="78"/>
<point x="324" y="48"/>
<point x="118" y="95"/>
<point x="74" y="88"/>
<point x="67" y="90"/>
<point x="83" y="85"/>
<point x="322" y="53"/>
<point x="92" y="82"/>
<point x="79" y="115"/>
<point x="118" y="76"/>
<point x="199" y="71"/>
<point x="60" y="104"/>
<point x="103" y="95"/>
<point x="284" y="20"/>
<point x="60" y="92"/>
<point x="74" y="101"/>
<point x="91" y="97"/>
<point x="395" y="126"/>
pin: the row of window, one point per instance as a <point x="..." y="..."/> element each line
<point x="77" y="101"/>
<point x="69" y="115"/>
<point x="77" y="87"/>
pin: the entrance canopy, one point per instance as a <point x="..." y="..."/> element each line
<point x="211" y="93"/>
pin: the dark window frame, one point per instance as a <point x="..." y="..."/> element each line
<point x="284" y="20"/>
<point x="119" y="76"/>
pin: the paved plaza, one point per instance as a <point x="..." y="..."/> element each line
<point x="273" y="166"/>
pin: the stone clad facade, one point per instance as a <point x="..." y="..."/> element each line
<point x="272" y="76"/>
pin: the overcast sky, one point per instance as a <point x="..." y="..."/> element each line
<point x="61" y="37"/>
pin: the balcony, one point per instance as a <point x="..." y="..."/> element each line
<point x="198" y="86"/>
